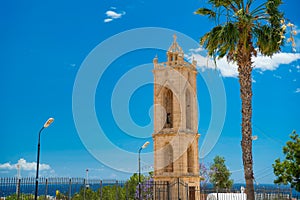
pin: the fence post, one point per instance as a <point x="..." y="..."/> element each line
<point x="46" y="188"/>
<point x="187" y="191"/>
<point x="70" y="189"/>
<point x="168" y="190"/>
<point x="126" y="187"/>
<point x="159" y="193"/>
<point x="18" y="188"/>
<point x="100" y="190"/>
<point x="154" y="190"/>
<point x="117" y="190"/>
<point x="178" y="192"/>
<point x="84" y="185"/>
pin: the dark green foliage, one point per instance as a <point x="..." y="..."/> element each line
<point x="113" y="192"/>
<point x="288" y="170"/>
<point x="205" y="11"/>
<point x="268" y="41"/>
<point x="219" y="3"/>
<point x="25" y="197"/>
<point x="126" y="191"/>
<point x="219" y="174"/>
<point x="132" y="184"/>
<point x="108" y="192"/>
<point x="262" y="25"/>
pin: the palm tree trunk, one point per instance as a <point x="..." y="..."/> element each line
<point x="245" y="80"/>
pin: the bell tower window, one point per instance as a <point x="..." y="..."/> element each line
<point x="168" y="106"/>
<point x="188" y="111"/>
<point x="190" y="160"/>
<point x="168" y="158"/>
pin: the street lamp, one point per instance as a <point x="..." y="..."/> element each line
<point x="87" y="177"/>
<point x="47" y="123"/>
<point x="142" y="147"/>
<point x="254" y="137"/>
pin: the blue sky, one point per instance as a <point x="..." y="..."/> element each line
<point x="45" y="45"/>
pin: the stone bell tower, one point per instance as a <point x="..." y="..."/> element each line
<point x="175" y="134"/>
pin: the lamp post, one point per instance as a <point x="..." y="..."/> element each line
<point x="254" y="137"/>
<point x="86" y="186"/>
<point x="47" y="123"/>
<point x="87" y="178"/>
<point x="142" y="147"/>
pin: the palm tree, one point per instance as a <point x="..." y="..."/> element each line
<point x="240" y="33"/>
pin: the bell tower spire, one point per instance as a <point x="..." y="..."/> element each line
<point x="175" y="134"/>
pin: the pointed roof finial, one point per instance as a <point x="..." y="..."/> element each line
<point x="175" y="37"/>
<point x="175" y="47"/>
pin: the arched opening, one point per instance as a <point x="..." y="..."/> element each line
<point x="190" y="159"/>
<point x="188" y="111"/>
<point x="168" y="158"/>
<point x="168" y="105"/>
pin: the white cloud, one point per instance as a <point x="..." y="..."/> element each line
<point x="200" y="49"/>
<point x="107" y="20"/>
<point x="6" y="166"/>
<point x="24" y="165"/>
<point x="226" y="69"/>
<point x="112" y="15"/>
<point x="261" y="63"/>
<point x="297" y="90"/>
<point x="272" y="63"/>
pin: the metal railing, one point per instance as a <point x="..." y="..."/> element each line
<point x="95" y="189"/>
<point x="65" y="188"/>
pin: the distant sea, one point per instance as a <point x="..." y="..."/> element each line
<point x="42" y="190"/>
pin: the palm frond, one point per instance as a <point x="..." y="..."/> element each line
<point x="249" y="2"/>
<point x="206" y="11"/>
<point x="239" y="3"/>
<point x="269" y="39"/>
<point x="221" y="40"/>
<point x="259" y="8"/>
<point x="260" y="27"/>
<point x="219" y="3"/>
<point x="228" y="39"/>
<point x="210" y="40"/>
<point x="273" y="11"/>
